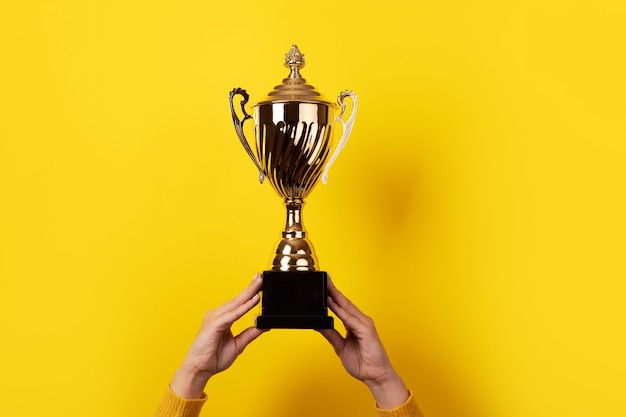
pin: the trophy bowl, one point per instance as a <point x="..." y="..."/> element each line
<point x="294" y="146"/>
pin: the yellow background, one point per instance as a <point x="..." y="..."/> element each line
<point x="477" y="212"/>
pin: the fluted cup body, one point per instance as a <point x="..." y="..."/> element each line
<point x="293" y="143"/>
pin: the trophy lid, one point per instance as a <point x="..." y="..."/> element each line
<point x="294" y="87"/>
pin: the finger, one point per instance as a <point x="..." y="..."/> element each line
<point x="244" y="295"/>
<point x="244" y="338"/>
<point x="349" y="321"/>
<point x="335" y="339"/>
<point x="338" y="296"/>
<point x="359" y="326"/>
<point x="344" y="303"/>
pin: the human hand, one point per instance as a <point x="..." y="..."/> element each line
<point x="362" y="353"/>
<point x="215" y="348"/>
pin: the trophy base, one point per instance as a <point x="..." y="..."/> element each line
<point x="294" y="300"/>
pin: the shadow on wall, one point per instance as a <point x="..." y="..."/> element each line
<point x="394" y="216"/>
<point x="392" y="187"/>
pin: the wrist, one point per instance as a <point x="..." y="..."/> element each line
<point x="389" y="392"/>
<point x="189" y="383"/>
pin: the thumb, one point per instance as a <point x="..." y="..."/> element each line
<point x="335" y="339"/>
<point x="244" y="338"/>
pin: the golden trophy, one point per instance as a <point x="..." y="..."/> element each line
<point x="294" y="128"/>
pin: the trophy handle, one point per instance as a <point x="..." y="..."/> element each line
<point x="347" y="128"/>
<point x="239" y="127"/>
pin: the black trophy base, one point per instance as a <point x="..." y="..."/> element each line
<point x="294" y="300"/>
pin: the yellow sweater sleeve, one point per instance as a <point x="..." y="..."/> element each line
<point x="173" y="405"/>
<point x="408" y="409"/>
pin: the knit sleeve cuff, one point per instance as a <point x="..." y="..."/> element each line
<point x="408" y="409"/>
<point x="173" y="405"/>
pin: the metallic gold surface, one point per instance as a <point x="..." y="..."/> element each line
<point x="295" y="251"/>
<point x="294" y="128"/>
<point x="293" y="142"/>
<point x="294" y="88"/>
<point x="239" y="127"/>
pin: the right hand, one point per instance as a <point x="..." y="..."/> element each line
<point x="362" y="353"/>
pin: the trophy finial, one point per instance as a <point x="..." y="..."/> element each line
<point x="294" y="60"/>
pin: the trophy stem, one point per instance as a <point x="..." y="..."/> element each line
<point x="295" y="251"/>
<point x="293" y="226"/>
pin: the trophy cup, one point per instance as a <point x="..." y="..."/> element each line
<point x="293" y="128"/>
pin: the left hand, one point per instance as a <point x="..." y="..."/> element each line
<point x="215" y="348"/>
